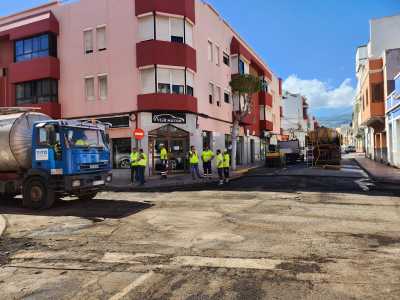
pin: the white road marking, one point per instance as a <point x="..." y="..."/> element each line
<point x="232" y="263"/>
<point x="139" y="281"/>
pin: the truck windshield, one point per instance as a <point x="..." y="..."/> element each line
<point x="85" y="138"/>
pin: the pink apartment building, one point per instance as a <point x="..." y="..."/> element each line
<point x="163" y="66"/>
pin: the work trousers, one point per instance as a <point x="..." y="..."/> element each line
<point x="194" y="170"/>
<point x="207" y="168"/>
<point x="140" y="171"/>
<point x="134" y="174"/>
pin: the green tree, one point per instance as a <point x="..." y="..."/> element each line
<point x="243" y="86"/>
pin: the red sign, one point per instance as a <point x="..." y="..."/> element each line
<point x="138" y="134"/>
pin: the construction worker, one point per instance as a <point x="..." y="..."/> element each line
<point x="82" y="142"/>
<point x="207" y="156"/>
<point x="227" y="165"/>
<point x="134" y="163"/>
<point x="220" y="167"/>
<point x="164" y="162"/>
<point x="194" y="163"/>
<point x="141" y="166"/>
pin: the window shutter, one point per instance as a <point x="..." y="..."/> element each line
<point x="146" y="28"/>
<point x="147" y="78"/>
<point x="103" y="87"/>
<point x="176" y="27"/>
<point x="163" y="76"/>
<point x="101" y="38"/>
<point x="189" y="34"/>
<point x="178" y="77"/>
<point x="190" y="78"/>
<point x="89" y="88"/>
<point x="163" y="28"/>
<point x="88" y="41"/>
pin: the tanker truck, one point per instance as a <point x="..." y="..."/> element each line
<point x="45" y="159"/>
<point x="324" y="146"/>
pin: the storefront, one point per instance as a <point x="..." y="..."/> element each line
<point x="176" y="141"/>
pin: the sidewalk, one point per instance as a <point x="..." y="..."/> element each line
<point x="379" y="172"/>
<point x="121" y="180"/>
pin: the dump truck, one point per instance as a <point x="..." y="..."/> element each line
<point x="45" y="159"/>
<point x="325" y="146"/>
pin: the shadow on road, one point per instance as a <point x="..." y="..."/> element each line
<point x="88" y="209"/>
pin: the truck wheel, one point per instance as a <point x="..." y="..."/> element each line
<point x="37" y="194"/>
<point x="88" y="196"/>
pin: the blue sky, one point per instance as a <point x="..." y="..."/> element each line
<point x="310" y="43"/>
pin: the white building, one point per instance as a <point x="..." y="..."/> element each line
<point x="296" y="121"/>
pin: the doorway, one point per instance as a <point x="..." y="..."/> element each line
<point x="176" y="141"/>
<point x="252" y="152"/>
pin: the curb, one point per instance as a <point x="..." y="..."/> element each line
<point x="176" y="187"/>
<point x="376" y="179"/>
<point x="3" y="225"/>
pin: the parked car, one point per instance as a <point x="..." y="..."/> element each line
<point x="350" y="149"/>
<point x="122" y="160"/>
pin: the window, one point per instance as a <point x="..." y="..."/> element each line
<point x="189" y="33"/>
<point x="177" y="39"/>
<point x="219" y="96"/>
<point x="147" y="80"/>
<point x="178" y="89"/>
<point x="89" y="88"/>
<point x="210" y="52"/>
<point x="264" y="85"/>
<point x="217" y="55"/>
<point x="227" y="97"/>
<point x="146" y="28"/>
<point x="177" y="28"/>
<point x="189" y="83"/>
<point x="164" y="88"/>
<point x="210" y="93"/>
<point x="88" y="41"/>
<point x="101" y="38"/>
<point x="34" y="47"/>
<point x="262" y="112"/>
<point x="226" y="59"/>
<point x="241" y="67"/>
<point x="103" y="87"/>
<point x="38" y="91"/>
<point x="377" y="92"/>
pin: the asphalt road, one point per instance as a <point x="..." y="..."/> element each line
<point x="296" y="233"/>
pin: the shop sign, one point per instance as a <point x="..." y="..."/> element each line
<point x="169" y="118"/>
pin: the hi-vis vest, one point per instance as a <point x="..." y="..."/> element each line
<point x="220" y="161"/>
<point x="134" y="157"/>
<point x="227" y="160"/>
<point x="142" y="160"/>
<point x="193" y="158"/>
<point x="207" y="155"/>
<point x="163" y="154"/>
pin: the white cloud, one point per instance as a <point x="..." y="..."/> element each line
<point x="319" y="93"/>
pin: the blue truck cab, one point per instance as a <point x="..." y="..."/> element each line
<point x="69" y="158"/>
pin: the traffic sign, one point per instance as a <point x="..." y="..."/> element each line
<point x="138" y="134"/>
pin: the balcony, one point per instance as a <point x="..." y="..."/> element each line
<point x="175" y="7"/>
<point x="51" y="109"/>
<point x="265" y="99"/>
<point x="165" y="53"/>
<point x="266" y="125"/>
<point x="167" y="102"/>
<point x="35" y="69"/>
<point x="30" y="26"/>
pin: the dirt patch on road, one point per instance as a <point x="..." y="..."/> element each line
<point x="10" y="246"/>
<point x="300" y="267"/>
<point x="381" y="240"/>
